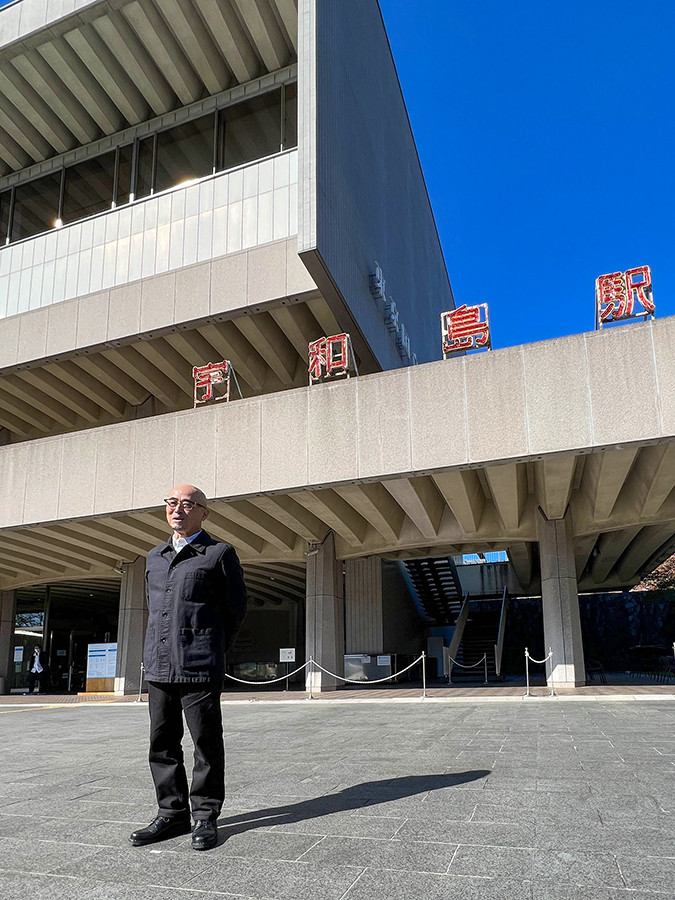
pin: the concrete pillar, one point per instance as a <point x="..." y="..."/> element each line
<point x="325" y="632"/>
<point x="560" y="600"/>
<point x="7" y="607"/>
<point x="133" y="619"/>
<point x="363" y="606"/>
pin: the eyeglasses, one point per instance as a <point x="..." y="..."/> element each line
<point x="185" y="505"/>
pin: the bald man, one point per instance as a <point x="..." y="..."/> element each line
<point x="197" y="600"/>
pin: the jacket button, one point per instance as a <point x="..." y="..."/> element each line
<point x="163" y="640"/>
<point x="164" y="615"/>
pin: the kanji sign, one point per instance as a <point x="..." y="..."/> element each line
<point x="212" y="382"/>
<point x="330" y="357"/>
<point x="617" y="293"/>
<point x="465" y="328"/>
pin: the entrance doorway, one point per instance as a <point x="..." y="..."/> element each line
<point x="63" y="619"/>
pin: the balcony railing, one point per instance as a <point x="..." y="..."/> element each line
<point x="221" y="214"/>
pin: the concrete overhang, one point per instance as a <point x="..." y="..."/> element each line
<point x="129" y="351"/>
<point x="449" y="457"/>
<point x="73" y="71"/>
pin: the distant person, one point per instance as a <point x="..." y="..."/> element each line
<point x="37" y="670"/>
<point x="197" y="599"/>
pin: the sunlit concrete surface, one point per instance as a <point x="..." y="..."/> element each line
<point x="350" y="802"/>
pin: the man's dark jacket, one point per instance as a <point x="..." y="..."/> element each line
<point x="197" y="601"/>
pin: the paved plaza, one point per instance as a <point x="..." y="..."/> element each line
<point x="353" y="801"/>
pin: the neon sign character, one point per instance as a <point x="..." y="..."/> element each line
<point x="617" y="293"/>
<point x="466" y="328"/>
<point x="329" y="357"/>
<point x="208" y="377"/>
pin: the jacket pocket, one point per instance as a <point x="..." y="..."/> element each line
<point x="196" y="648"/>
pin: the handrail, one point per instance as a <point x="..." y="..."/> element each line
<point x="499" y="646"/>
<point x="451" y="651"/>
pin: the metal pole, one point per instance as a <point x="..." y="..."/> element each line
<point x="527" y="673"/>
<point x="286" y="676"/>
<point x="485" y="661"/>
<point x="140" y="684"/>
<point x="550" y="659"/>
<point x="311" y="676"/>
<point x="424" y="676"/>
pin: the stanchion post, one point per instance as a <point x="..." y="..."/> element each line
<point x="311" y="676"/>
<point x="527" y="673"/>
<point x="424" y="676"/>
<point x="140" y="684"/>
<point x="550" y="662"/>
<point x="485" y="661"/>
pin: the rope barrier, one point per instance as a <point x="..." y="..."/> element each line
<point x="312" y="663"/>
<point x="472" y="666"/>
<point x="528" y="659"/>
<point x="368" y="681"/>
<point x="483" y="660"/>
<point x="269" y="680"/>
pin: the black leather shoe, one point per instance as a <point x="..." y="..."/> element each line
<point x="204" y="834"/>
<point x="158" y="830"/>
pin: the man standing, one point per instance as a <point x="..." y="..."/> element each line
<point x="197" y="599"/>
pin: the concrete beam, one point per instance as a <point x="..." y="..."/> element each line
<point x="123" y="42"/>
<point x="464" y="495"/>
<point x="231" y="38"/>
<point x="421" y="501"/>
<point x="508" y="486"/>
<point x="604" y="476"/>
<point x="554" y="477"/>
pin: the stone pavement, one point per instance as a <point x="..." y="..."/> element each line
<point x="353" y="801"/>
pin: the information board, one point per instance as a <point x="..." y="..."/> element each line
<point x="101" y="665"/>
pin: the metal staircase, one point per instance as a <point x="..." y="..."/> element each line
<point x="482" y="634"/>
<point x="438" y="588"/>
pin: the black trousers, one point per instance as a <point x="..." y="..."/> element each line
<point x="32" y="678"/>
<point x="200" y="703"/>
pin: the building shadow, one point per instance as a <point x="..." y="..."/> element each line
<point x="358" y="796"/>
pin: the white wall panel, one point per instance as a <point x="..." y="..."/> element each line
<point x="237" y="210"/>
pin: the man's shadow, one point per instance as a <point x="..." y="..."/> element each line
<point x="358" y="796"/>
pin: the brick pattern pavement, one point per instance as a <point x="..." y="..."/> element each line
<point x="333" y="801"/>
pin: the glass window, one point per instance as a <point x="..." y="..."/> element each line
<point x="252" y="129"/>
<point x="184" y="152"/>
<point x="5" y="201"/>
<point x="291" y="117"/>
<point x="144" y="167"/>
<point x="89" y="187"/>
<point x="36" y="206"/>
<point x="125" y="156"/>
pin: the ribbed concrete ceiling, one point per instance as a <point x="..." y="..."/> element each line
<point x="118" y="63"/>
<point x="622" y="504"/>
<point x="116" y="383"/>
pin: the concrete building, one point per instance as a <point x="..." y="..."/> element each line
<point x="185" y="181"/>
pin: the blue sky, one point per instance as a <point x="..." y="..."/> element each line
<point x="546" y="136"/>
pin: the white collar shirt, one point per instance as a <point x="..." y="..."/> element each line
<point x="180" y="542"/>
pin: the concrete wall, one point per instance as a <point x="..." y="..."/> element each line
<point x="488" y="578"/>
<point x="220" y="287"/>
<point x="552" y="395"/>
<point x="403" y="629"/>
<point x="359" y="159"/>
